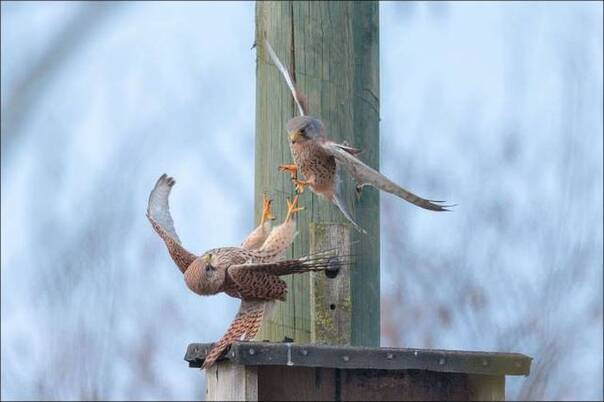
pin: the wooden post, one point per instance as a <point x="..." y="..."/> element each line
<point x="331" y="49"/>
<point x="227" y="382"/>
<point x="330" y="303"/>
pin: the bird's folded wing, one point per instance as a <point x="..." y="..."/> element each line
<point x="158" y="213"/>
<point x="365" y="175"/>
<point x="243" y="328"/>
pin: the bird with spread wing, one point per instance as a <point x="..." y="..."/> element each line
<point x="321" y="160"/>
<point x="250" y="272"/>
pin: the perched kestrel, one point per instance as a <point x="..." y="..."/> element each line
<point x="320" y="160"/>
<point x="250" y="272"/>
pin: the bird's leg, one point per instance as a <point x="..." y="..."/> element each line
<point x="266" y="210"/>
<point x="292" y="208"/>
<point x="291" y="169"/>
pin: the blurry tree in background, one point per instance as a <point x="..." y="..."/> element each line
<point x="496" y="107"/>
<point x="519" y="266"/>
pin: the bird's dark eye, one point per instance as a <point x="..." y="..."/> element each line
<point x="210" y="268"/>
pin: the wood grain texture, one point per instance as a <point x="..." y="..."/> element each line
<point x="231" y="382"/>
<point x="404" y="385"/>
<point x="486" y="387"/>
<point x="331" y="49"/>
<point x="330" y="300"/>
<point x="277" y="383"/>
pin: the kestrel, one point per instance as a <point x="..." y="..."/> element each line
<point x="320" y="160"/>
<point x="250" y="272"/>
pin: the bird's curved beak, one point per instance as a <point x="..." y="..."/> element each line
<point x="294" y="136"/>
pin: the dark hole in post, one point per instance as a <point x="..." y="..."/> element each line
<point x="332" y="306"/>
<point x="333" y="268"/>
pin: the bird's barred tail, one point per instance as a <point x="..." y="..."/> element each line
<point x="243" y="328"/>
<point x="321" y="261"/>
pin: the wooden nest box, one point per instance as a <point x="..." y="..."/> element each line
<point x="262" y="371"/>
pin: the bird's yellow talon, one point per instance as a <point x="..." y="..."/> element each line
<point x="292" y="208"/>
<point x="299" y="184"/>
<point x="290" y="168"/>
<point x="293" y="171"/>
<point x="266" y="210"/>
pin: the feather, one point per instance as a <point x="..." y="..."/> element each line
<point x="297" y="95"/>
<point x="158" y="207"/>
<point x="349" y="149"/>
<point x="339" y="200"/>
<point x="255" y="284"/>
<point x="365" y="175"/>
<point x="323" y="261"/>
<point x="158" y="213"/>
<point x="244" y="327"/>
<point x="257" y="237"/>
<point x="279" y="239"/>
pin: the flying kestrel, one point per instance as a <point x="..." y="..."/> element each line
<point x="250" y="272"/>
<point x="320" y="160"/>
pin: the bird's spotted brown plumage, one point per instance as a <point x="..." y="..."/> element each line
<point x="257" y="285"/>
<point x="250" y="272"/>
<point x="317" y="166"/>
<point x="318" y="159"/>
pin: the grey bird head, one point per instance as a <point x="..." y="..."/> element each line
<point x="304" y="128"/>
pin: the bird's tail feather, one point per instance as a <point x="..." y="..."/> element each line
<point x="339" y="201"/>
<point x="341" y="204"/>
<point x="244" y="327"/>
<point x="321" y="261"/>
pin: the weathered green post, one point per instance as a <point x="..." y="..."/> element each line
<point x="332" y="51"/>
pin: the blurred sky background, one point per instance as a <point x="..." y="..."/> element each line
<point x="497" y="107"/>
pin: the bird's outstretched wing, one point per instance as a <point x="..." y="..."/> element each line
<point x="365" y="175"/>
<point x="158" y="213"/>
<point x="261" y="280"/>
<point x="345" y="156"/>
<point x="323" y="261"/>
<point x="298" y="97"/>
<point x="243" y="328"/>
